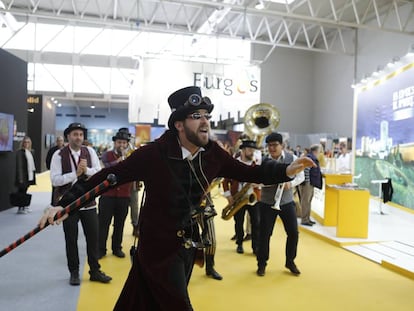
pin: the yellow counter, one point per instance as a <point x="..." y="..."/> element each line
<point x="353" y="212"/>
<point x="330" y="214"/>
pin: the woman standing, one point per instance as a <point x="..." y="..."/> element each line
<point x="25" y="174"/>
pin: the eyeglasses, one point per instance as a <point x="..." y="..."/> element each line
<point x="198" y="116"/>
<point x="195" y="100"/>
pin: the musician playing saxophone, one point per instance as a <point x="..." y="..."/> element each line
<point x="247" y="149"/>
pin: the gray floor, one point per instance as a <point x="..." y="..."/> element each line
<point x="34" y="276"/>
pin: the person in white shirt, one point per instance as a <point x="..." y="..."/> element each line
<point x="277" y="200"/>
<point x="73" y="163"/>
<point x="343" y="162"/>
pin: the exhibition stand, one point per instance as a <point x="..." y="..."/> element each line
<point x="345" y="206"/>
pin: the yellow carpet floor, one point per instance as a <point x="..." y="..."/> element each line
<point x="332" y="278"/>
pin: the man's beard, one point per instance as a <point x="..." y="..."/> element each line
<point x="193" y="138"/>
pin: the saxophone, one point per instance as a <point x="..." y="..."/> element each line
<point x="240" y="199"/>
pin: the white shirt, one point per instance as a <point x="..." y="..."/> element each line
<point x="343" y="162"/>
<point x="59" y="179"/>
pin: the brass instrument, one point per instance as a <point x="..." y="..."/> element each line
<point x="259" y="120"/>
<point x="240" y="199"/>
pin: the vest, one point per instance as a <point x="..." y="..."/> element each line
<point x="67" y="168"/>
<point x="119" y="191"/>
<point x="268" y="192"/>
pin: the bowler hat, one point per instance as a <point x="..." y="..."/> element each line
<point x="248" y="144"/>
<point x="121" y="136"/>
<point x="75" y="126"/>
<point x="186" y="100"/>
<point x="274" y="137"/>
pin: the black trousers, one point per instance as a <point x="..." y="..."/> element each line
<point x="268" y="217"/>
<point x="180" y="272"/>
<point x="89" y="221"/>
<point x="255" y="222"/>
<point x="117" y="208"/>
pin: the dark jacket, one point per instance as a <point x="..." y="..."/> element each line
<point x="22" y="177"/>
<point x="166" y="209"/>
<point x="49" y="155"/>
<point x="315" y="175"/>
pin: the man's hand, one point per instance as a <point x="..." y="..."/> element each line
<point x="82" y="167"/>
<point x="49" y="214"/>
<point x="299" y="165"/>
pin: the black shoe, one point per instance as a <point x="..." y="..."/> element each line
<point x="240" y="249"/>
<point x="74" y="278"/>
<point x="312" y="222"/>
<point x="292" y="267"/>
<point x="307" y="224"/>
<point x="248" y="237"/>
<point x="261" y="271"/>
<point x="99" y="276"/>
<point x="233" y="238"/>
<point x="213" y="274"/>
<point x="118" y="253"/>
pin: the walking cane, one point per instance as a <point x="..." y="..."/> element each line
<point x="110" y="181"/>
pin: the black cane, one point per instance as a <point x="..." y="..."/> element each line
<point x="110" y="181"/>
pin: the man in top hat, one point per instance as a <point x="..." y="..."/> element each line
<point x="277" y="200"/>
<point x="231" y="187"/>
<point x="114" y="203"/>
<point x="176" y="170"/>
<point x="70" y="164"/>
<point x="133" y="202"/>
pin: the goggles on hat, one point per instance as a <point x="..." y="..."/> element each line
<point x="195" y="100"/>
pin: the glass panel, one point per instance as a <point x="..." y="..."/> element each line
<point x="83" y="83"/>
<point x="44" y="81"/>
<point x="63" y="42"/>
<point x="24" y="40"/>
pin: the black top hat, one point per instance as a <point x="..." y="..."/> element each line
<point x="121" y="136"/>
<point x="185" y="101"/>
<point x="248" y="144"/>
<point x="274" y="137"/>
<point x="124" y="130"/>
<point x="75" y="126"/>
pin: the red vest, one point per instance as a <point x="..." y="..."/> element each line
<point x="122" y="191"/>
<point x="67" y="168"/>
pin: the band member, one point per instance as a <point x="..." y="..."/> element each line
<point x="277" y="200"/>
<point x="208" y="233"/>
<point x="232" y="187"/>
<point x="114" y="203"/>
<point x="176" y="170"/>
<point x="70" y="164"/>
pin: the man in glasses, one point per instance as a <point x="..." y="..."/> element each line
<point x="70" y="164"/>
<point x="176" y="170"/>
<point x="277" y="200"/>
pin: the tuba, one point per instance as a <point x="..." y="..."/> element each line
<point x="259" y="121"/>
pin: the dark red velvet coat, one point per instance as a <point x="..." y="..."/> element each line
<point x="147" y="288"/>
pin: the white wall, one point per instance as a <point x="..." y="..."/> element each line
<point x="286" y="81"/>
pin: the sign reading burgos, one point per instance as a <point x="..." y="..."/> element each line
<point x="232" y="88"/>
<point x="228" y="85"/>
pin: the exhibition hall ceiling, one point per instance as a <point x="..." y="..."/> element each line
<point x="193" y="30"/>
